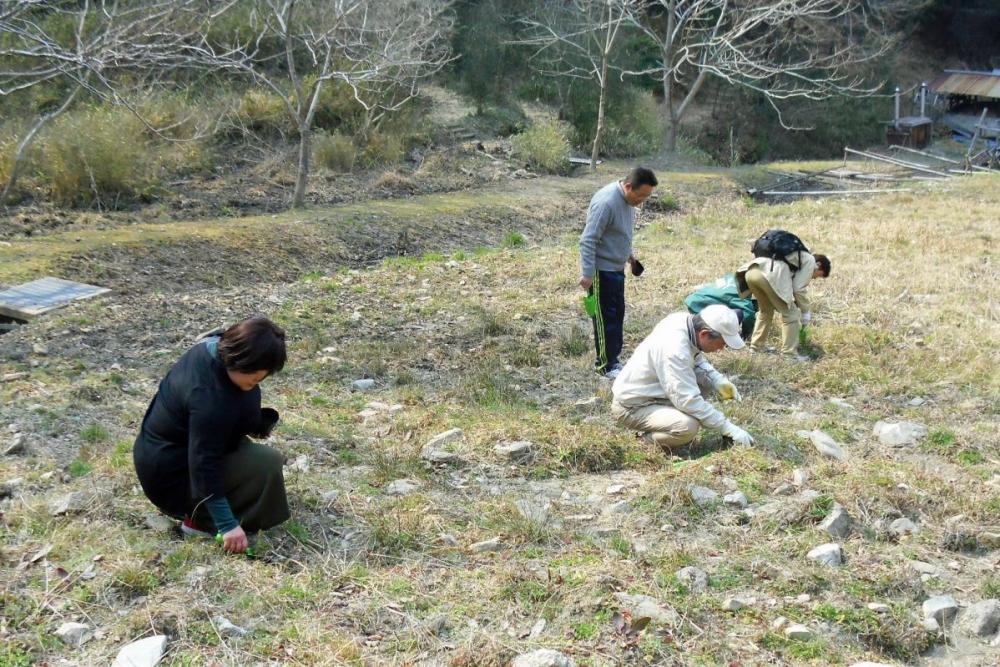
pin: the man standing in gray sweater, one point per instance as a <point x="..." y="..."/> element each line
<point x="605" y="249"/>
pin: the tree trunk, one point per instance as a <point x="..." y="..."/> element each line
<point x="668" y="113"/>
<point x="599" y="133"/>
<point x="15" y="167"/>
<point x="302" y="178"/>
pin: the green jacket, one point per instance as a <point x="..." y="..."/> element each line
<point x="724" y="291"/>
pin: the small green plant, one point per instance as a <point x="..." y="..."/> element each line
<point x="585" y="630"/>
<point x="970" y="457"/>
<point x="544" y="147"/>
<point x="135" y="580"/>
<point x="574" y="342"/>
<point x="264" y="112"/>
<point x="621" y="545"/>
<point x="297" y="530"/>
<point x="93" y="434"/>
<point x="514" y="240"/>
<point x="820" y="507"/>
<point x="79" y="468"/>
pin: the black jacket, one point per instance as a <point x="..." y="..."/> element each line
<point x="197" y="417"/>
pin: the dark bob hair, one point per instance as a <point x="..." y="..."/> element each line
<point x="823" y="262"/>
<point x="255" y="344"/>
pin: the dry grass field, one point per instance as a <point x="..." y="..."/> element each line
<point x="480" y="327"/>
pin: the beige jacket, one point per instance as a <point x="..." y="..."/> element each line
<point x="790" y="287"/>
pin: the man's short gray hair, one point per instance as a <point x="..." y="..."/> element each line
<point x="699" y="325"/>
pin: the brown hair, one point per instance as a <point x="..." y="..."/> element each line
<point x="823" y="262"/>
<point x="255" y="344"/>
<point x="641" y="176"/>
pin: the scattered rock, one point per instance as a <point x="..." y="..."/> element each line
<point x="15" y="445"/>
<point x="486" y="546"/>
<point x="543" y="657"/>
<point x="896" y="434"/>
<point x="447" y="539"/>
<point x="10" y="486"/>
<point x="435" y="450"/>
<point x="300" y="464"/>
<point x="696" y="580"/>
<point x="74" y="634"/>
<point x="615" y="489"/>
<point x="736" y="499"/>
<point x="40" y="349"/>
<point x="826" y="554"/>
<point x="144" y="653"/>
<point x="779" y="623"/>
<point x="521" y="451"/>
<point x="942" y="608"/>
<point x="916" y="401"/>
<point x="730" y="483"/>
<point x="402" y="487"/>
<point x="643" y="606"/>
<point x="924" y="568"/>
<point x="364" y="384"/>
<point x="800" y="477"/>
<point x="878" y="607"/>
<point x="435" y="625"/>
<point x="981" y="619"/>
<point x="75" y="502"/>
<point x="903" y="527"/>
<point x="227" y="629"/>
<point x="159" y="523"/>
<point x="620" y="507"/>
<point x="784" y="489"/>
<point x="534" y="511"/>
<point x="824" y="444"/>
<point x="537" y="629"/>
<point x="330" y="496"/>
<point x="586" y="406"/>
<point x="798" y="632"/>
<point x="842" y="404"/>
<point x="732" y="604"/>
<point x="702" y="496"/>
<point x="838" y="523"/>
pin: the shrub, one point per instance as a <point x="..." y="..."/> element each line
<point x="382" y="149"/>
<point x="634" y="130"/>
<point x="544" y="147"/>
<point x="99" y="155"/>
<point x="334" y="151"/>
<point x="264" y="112"/>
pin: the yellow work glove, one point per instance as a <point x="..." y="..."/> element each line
<point x="728" y="391"/>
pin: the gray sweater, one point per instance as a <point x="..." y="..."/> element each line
<point x="606" y="242"/>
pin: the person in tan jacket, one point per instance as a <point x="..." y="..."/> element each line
<point x="779" y="286"/>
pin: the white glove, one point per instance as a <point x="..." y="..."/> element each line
<point x="806" y="318"/>
<point x="727" y="391"/>
<point x="738" y="435"/>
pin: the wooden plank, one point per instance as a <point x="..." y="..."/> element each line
<point x="27" y="301"/>
<point x="803" y="177"/>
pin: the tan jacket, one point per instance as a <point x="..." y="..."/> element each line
<point x="790" y="287"/>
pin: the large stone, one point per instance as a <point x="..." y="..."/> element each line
<point x="981" y="619"/>
<point x="897" y="434"/>
<point x="402" y="487"/>
<point x="521" y="451"/>
<point x="364" y="384"/>
<point x="942" y="608"/>
<point x="586" y="406"/>
<point x="227" y="628"/>
<point x="800" y="476"/>
<point x="159" y="523"/>
<point x="15" y="445"/>
<point x="696" y="580"/>
<point x="535" y="511"/>
<point x="543" y="657"/>
<point x="903" y="527"/>
<point x="486" y="546"/>
<point x="702" y="496"/>
<point x="76" y="502"/>
<point x="74" y="634"/>
<point x="449" y="437"/>
<point x="826" y="554"/>
<point x="144" y="653"/>
<point x="798" y="632"/>
<point x="837" y="523"/>
<point x="824" y="444"/>
<point x="643" y="606"/>
<point x="736" y="499"/>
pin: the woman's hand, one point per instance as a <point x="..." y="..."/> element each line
<point x="235" y="541"/>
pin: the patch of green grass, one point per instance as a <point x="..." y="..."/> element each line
<point x="135" y="580"/>
<point x="820" y="507"/>
<point x="513" y="240"/>
<point x="297" y="530"/>
<point x="121" y="455"/>
<point x="991" y="588"/>
<point x="79" y="468"/>
<point x="941" y="441"/>
<point x="574" y="342"/>
<point x="93" y="434"/>
<point x="970" y="457"/>
<point x="621" y="545"/>
<point x="12" y="655"/>
<point x="586" y="630"/>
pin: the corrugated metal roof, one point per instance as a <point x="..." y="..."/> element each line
<point x="978" y="84"/>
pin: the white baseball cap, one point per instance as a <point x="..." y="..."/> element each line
<point x="725" y="322"/>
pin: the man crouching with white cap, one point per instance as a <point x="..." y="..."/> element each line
<point x="661" y="390"/>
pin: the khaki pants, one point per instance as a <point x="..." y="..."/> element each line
<point x="769" y="303"/>
<point x="666" y="425"/>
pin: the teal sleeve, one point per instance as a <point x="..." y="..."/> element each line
<point x="222" y="514"/>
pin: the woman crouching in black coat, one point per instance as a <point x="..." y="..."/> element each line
<point x="192" y="456"/>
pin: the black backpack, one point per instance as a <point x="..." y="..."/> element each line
<point x="777" y="244"/>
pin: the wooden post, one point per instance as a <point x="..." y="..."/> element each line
<point x="895" y="117"/>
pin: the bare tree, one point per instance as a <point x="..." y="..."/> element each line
<point x="783" y="49"/>
<point x="108" y="39"/>
<point x="380" y="49"/>
<point x="577" y="38"/>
